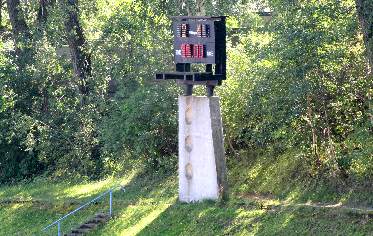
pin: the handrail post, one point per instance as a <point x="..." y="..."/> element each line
<point x="58" y="222"/>
<point x="111" y="203"/>
<point x="59" y="229"/>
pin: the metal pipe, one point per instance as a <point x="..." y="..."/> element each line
<point x="111" y="203"/>
<point x="188" y="90"/>
<point x="59" y="229"/>
<point x="210" y="90"/>
<point x="93" y="200"/>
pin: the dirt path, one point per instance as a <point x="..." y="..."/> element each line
<point x="267" y="201"/>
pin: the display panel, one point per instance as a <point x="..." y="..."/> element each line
<point x="199" y="40"/>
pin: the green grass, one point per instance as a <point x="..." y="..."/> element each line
<point x="267" y="198"/>
<point x="286" y="178"/>
<point x="35" y="205"/>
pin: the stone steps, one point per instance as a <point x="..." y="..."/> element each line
<point x="89" y="225"/>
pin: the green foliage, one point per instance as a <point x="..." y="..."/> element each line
<point x="356" y="154"/>
<point x="145" y="127"/>
<point x="133" y="42"/>
<point x="297" y="80"/>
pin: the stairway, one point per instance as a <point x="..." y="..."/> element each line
<point x="89" y="225"/>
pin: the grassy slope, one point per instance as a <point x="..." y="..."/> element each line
<point x="267" y="199"/>
<point x="37" y="204"/>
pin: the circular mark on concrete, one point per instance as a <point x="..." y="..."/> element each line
<point x="188" y="143"/>
<point x="188" y="100"/>
<point x="188" y="115"/>
<point x="188" y="171"/>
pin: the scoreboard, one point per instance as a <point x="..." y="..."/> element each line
<point x="198" y="40"/>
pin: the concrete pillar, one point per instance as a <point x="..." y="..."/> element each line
<point x="202" y="168"/>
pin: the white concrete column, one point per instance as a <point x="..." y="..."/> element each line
<point x="202" y="171"/>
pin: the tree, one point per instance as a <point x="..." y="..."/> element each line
<point x="1" y="14"/>
<point x="43" y="10"/>
<point x="365" y="15"/>
<point x="21" y="33"/>
<point x="80" y="56"/>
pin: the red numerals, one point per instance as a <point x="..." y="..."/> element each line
<point x="193" y="50"/>
<point x="187" y="50"/>
<point x="198" y="51"/>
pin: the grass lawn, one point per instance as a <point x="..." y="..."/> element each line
<point x="149" y="206"/>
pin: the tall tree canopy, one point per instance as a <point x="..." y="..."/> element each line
<point x="78" y="96"/>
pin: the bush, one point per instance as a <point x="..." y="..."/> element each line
<point x="144" y="126"/>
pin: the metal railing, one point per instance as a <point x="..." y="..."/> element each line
<point x="58" y="222"/>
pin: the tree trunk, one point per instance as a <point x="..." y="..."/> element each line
<point x="365" y="15"/>
<point x="17" y="20"/>
<point x="21" y="33"/>
<point x="184" y="5"/>
<point x="1" y="14"/>
<point x="364" y="10"/>
<point x="314" y="145"/>
<point x="81" y="58"/>
<point x="201" y="7"/>
<point x="42" y="11"/>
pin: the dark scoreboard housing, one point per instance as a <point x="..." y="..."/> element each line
<point x="208" y="33"/>
<point x="199" y="40"/>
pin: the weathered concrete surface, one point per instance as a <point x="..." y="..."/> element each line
<point x="202" y="169"/>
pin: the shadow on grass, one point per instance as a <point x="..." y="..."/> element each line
<point x="149" y="207"/>
<point x="31" y="218"/>
<point x="45" y="191"/>
<point x="285" y="178"/>
<point x="206" y="218"/>
<point x="280" y="179"/>
<point x="146" y="196"/>
<point x="27" y="208"/>
<point x="311" y="221"/>
<point x="210" y="219"/>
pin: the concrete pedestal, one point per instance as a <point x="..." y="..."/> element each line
<point x="202" y="169"/>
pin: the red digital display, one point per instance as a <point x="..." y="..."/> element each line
<point x="193" y="50"/>
<point x="187" y="50"/>
<point x="198" y="51"/>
